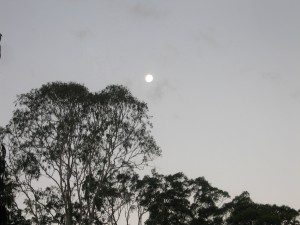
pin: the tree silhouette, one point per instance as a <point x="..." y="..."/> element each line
<point x="0" y="45"/>
<point x="3" y="197"/>
<point x="242" y="210"/>
<point x="89" y="147"/>
<point x="82" y="143"/>
<point x="175" y="199"/>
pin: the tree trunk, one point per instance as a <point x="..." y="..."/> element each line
<point x="69" y="214"/>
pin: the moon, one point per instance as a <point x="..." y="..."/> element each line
<point x="148" y="78"/>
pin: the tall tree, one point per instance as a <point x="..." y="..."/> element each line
<point x="76" y="142"/>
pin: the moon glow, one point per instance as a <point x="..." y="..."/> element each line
<point x="148" y="78"/>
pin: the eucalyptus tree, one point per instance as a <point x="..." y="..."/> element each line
<point x="171" y="203"/>
<point x="68" y="145"/>
<point x="208" y="202"/>
<point x="175" y="199"/>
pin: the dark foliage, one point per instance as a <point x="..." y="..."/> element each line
<point x="89" y="146"/>
<point x="4" y="201"/>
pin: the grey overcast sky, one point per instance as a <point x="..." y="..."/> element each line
<point x="225" y="98"/>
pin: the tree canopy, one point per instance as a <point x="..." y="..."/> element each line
<point x="79" y="142"/>
<point x="74" y="155"/>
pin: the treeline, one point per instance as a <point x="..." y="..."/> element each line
<point x="73" y="156"/>
<point x="158" y="199"/>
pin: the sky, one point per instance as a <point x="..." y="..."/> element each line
<point x="225" y="98"/>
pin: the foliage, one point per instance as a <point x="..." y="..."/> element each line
<point x="175" y="199"/>
<point x="244" y="211"/>
<point x="4" y="199"/>
<point x="74" y="156"/>
<point x="79" y="141"/>
<point x="9" y="212"/>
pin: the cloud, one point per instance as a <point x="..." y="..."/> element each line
<point x="160" y="89"/>
<point x="277" y="79"/>
<point x="208" y="37"/>
<point x="272" y="77"/>
<point x="168" y="55"/>
<point x="147" y="9"/>
<point x="81" y="34"/>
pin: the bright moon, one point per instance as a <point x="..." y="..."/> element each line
<point x="149" y="78"/>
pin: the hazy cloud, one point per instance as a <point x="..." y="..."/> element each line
<point x="81" y="34"/>
<point x="147" y="9"/>
<point x="272" y="77"/>
<point x="168" y="55"/>
<point x="160" y="89"/>
<point x="208" y="37"/>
